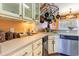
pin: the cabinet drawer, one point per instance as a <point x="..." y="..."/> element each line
<point x="24" y="51"/>
<point x="38" y="51"/>
<point x="51" y="37"/>
<point x="50" y="48"/>
<point x="36" y="44"/>
<point x="51" y="41"/>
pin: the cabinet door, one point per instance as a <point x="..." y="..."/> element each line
<point x="56" y="43"/>
<point x="36" y="44"/>
<point x="38" y="51"/>
<point x="0" y="6"/>
<point x="10" y="9"/>
<point x="51" y="44"/>
<point x="26" y="51"/>
<point x="37" y="48"/>
<point x="27" y="11"/>
<point x="37" y="11"/>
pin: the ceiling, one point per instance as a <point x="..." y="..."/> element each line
<point x="64" y="8"/>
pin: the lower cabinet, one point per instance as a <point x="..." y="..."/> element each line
<point x="37" y="48"/>
<point x="50" y="44"/>
<point x="38" y="51"/>
<point x="26" y="51"/>
<point x="33" y="49"/>
<point x="53" y="44"/>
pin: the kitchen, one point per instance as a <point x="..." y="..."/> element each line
<point x="39" y="29"/>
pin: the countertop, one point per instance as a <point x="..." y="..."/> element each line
<point x="14" y="44"/>
<point x="71" y="33"/>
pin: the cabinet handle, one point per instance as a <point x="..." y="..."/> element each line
<point x="53" y="42"/>
<point x="24" y="53"/>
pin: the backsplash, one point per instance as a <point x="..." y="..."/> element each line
<point x="5" y="25"/>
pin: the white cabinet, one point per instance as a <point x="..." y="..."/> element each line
<point x="50" y="44"/>
<point x="36" y="44"/>
<point x="37" y="11"/>
<point x="10" y="9"/>
<point x="38" y="51"/>
<point x="27" y="10"/>
<point x="56" y="43"/>
<point x="25" y="51"/>
<point x="33" y="49"/>
<point x="37" y="48"/>
<point x="31" y="11"/>
<point x="53" y="44"/>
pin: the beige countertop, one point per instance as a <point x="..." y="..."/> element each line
<point x="72" y="33"/>
<point x="12" y="45"/>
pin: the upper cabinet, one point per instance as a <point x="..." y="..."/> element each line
<point x="31" y="11"/>
<point x="37" y="11"/>
<point x="10" y="9"/>
<point x="27" y="10"/>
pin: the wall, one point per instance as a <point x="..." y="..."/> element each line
<point x="6" y="23"/>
